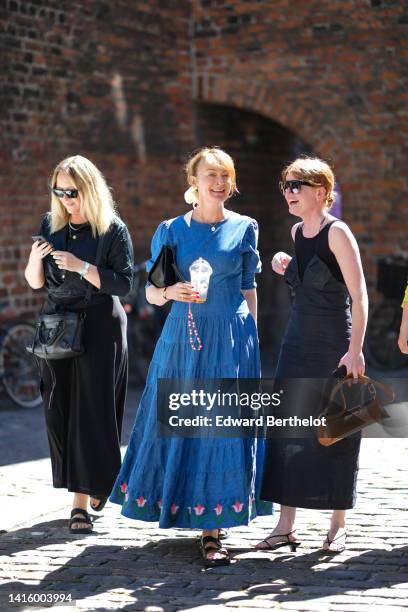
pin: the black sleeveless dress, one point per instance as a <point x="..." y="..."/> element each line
<point x="300" y="472"/>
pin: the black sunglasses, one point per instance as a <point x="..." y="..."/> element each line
<point x="60" y="193"/>
<point x="293" y="186"/>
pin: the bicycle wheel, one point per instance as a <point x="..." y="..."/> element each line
<point x="18" y="369"/>
<point x="381" y="346"/>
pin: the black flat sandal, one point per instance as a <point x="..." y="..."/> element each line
<point x="100" y="506"/>
<point x="209" y="544"/>
<point x="84" y="518"/>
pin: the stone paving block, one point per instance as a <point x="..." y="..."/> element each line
<point x="220" y="584"/>
<point x="109" y="582"/>
<point x="386" y="593"/>
<point x="204" y="608"/>
<point x="163" y="569"/>
<point x="245" y="604"/>
<point x="362" y="607"/>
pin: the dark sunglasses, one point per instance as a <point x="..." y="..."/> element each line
<point x="293" y="186"/>
<point x="60" y="193"/>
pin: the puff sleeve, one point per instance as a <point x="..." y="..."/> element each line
<point x="251" y="263"/>
<point x="116" y="277"/>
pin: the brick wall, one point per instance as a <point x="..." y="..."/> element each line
<point x="109" y="80"/>
<point x="134" y="85"/>
<point x="335" y="73"/>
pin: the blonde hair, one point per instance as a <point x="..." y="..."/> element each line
<point x="221" y="159"/>
<point x="97" y="204"/>
<point x="315" y="171"/>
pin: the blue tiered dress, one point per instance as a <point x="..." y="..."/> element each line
<point x="201" y="483"/>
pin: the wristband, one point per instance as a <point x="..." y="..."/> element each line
<point x="84" y="270"/>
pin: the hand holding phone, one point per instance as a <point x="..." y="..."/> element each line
<point x="41" y="247"/>
<point x="38" y="238"/>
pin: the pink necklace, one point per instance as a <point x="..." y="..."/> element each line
<point x="192" y="332"/>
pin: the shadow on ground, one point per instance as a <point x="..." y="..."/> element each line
<point x="168" y="572"/>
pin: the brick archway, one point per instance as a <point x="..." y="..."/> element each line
<point x="360" y="153"/>
<point x="302" y="115"/>
<point x="260" y="148"/>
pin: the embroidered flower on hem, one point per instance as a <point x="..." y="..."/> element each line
<point x="123" y="487"/>
<point x="174" y="508"/>
<point x="199" y="509"/>
<point x="141" y="501"/>
<point x="218" y="509"/>
<point x="160" y="504"/>
<point x="238" y="506"/>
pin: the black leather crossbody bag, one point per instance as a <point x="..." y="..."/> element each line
<point x="60" y="335"/>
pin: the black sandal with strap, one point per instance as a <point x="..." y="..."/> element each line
<point x="209" y="544"/>
<point x="338" y="548"/>
<point x="223" y="534"/>
<point x="84" y="518"/>
<point x="100" y="505"/>
<point x="293" y="544"/>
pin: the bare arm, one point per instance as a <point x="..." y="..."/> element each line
<point x="252" y="300"/>
<point x="345" y="248"/>
<point x="281" y="260"/>
<point x="403" y="334"/>
<point x="34" y="272"/>
<point x="180" y="292"/>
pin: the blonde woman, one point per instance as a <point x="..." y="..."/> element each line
<point x="323" y="333"/>
<point x="84" y="397"/>
<point x="203" y="483"/>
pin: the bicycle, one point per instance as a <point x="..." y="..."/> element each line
<point x="381" y="346"/>
<point x="18" y="370"/>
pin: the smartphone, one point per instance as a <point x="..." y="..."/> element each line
<point x="40" y="238"/>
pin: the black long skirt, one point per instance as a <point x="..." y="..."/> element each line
<point x="302" y="473"/>
<point x="84" y="401"/>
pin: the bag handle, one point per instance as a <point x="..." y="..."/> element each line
<point x="369" y="383"/>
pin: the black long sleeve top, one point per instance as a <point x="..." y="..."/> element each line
<point x="115" y="265"/>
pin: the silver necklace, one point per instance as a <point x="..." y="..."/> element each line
<point x="75" y="229"/>
<point x="215" y="223"/>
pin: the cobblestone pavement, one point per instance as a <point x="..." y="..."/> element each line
<point x="130" y="565"/>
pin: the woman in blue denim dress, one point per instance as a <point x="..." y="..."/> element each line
<point x="204" y="483"/>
